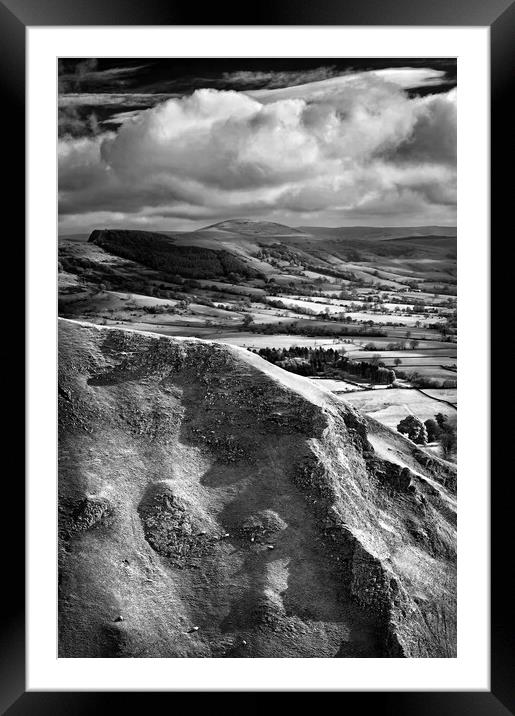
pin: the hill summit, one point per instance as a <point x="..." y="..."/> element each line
<point x="213" y="505"/>
<point x="250" y="227"/>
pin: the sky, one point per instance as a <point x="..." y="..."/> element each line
<point x="177" y="144"/>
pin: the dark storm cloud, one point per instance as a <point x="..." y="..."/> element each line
<point x="85" y="76"/>
<point x="245" y="79"/>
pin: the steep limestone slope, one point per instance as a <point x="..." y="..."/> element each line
<point x="200" y="486"/>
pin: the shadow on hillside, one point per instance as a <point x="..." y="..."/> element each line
<point x="296" y="589"/>
<point x="295" y="592"/>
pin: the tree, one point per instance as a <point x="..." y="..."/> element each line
<point x="247" y="320"/>
<point x="448" y="441"/>
<point x="413" y="344"/>
<point x="397" y="361"/>
<point x="390" y="376"/>
<point x="414" y="429"/>
<point x="447" y="434"/>
<point x="432" y="429"/>
<point x="441" y="419"/>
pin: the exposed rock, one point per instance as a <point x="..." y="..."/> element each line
<point x="90" y="512"/>
<point x="172" y="529"/>
<point x="261" y="526"/>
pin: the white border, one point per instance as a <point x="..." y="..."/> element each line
<point x="470" y="670"/>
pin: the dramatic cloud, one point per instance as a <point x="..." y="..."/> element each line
<point x="275" y="79"/>
<point x="83" y="87"/>
<point x="330" y="88"/>
<point x="335" y="150"/>
<point x="86" y="75"/>
<point x="78" y="111"/>
<point x="112" y="99"/>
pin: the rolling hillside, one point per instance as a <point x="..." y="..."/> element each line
<point x="261" y="249"/>
<point x="213" y="505"/>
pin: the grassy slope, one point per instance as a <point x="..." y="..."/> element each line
<point x="168" y="444"/>
<point x="391" y="405"/>
<point x="425" y="255"/>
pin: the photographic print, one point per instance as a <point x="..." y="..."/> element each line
<point x="257" y="402"/>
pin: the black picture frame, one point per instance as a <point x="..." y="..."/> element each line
<point x="499" y="16"/>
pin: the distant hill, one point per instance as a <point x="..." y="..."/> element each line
<point x="248" y="249"/>
<point x="253" y="228"/>
<point x="74" y="237"/>
<point x="160" y="252"/>
<point x="377" y="233"/>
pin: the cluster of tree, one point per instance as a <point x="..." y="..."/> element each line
<point x="157" y="291"/>
<point x="314" y="329"/>
<point x="422" y="381"/>
<point x="108" y="278"/>
<point x="234" y="291"/>
<point x="247" y="321"/>
<point x="347" y="295"/>
<point x="202" y="301"/>
<point x="431" y="430"/>
<point x="280" y="253"/>
<point x="277" y="252"/>
<point x="450" y="327"/>
<point x="94" y="272"/>
<point x="353" y="255"/>
<point x="414" y="429"/>
<point x="346" y="275"/>
<point x="273" y="288"/>
<point x="159" y="252"/>
<point x="324" y="315"/>
<point x="159" y="308"/>
<point x="445" y="290"/>
<point x="306" y="360"/>
<point x="446" y="434"/>
<point x="421" y="305"/>
<point x="303" y="310"/>
<point x="402" y="345"/>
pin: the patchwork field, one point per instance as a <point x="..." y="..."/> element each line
<point x="390" y="405"/>
<point x="368" y="313"/>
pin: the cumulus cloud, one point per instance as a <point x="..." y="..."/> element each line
<point x="77" y="111"/>
<point x="330" y="152"/>
<point x="329" y="88"/>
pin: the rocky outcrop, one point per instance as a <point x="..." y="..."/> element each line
<point x="223" y="507"/>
